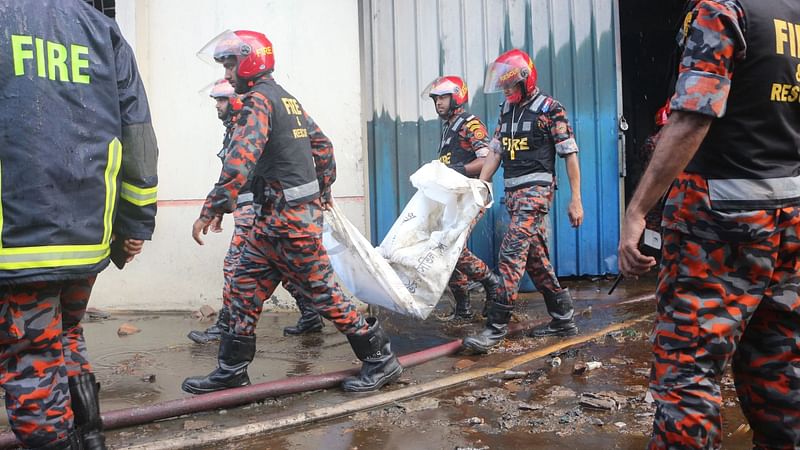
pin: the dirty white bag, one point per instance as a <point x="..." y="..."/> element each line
<point x="361" y="269"/>
<point x="421" y="248"/>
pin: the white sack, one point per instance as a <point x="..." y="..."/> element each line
<point x="421" y="248"/>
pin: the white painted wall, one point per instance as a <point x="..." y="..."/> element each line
<point x="316" y="46"/>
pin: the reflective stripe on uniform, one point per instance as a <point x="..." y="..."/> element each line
<point x="242" y="199"/>
<point x="138" y="196"/>
<point x="767" y="193"/>
<point x="536" y="177"/>
<point x="302" y="191"/>
<point x="70" y="255"/>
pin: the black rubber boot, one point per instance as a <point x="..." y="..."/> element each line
<point x="212" y="333"/>
<point x="83" y="392"/>
<point x="309" y="322"/>
<point x="491" y="285"/>
<point x="561" y="309"/>
<point x="463" y="309"/>
<point x="380" y="366"/>
<point x="71" y="442"/>
<point x="235" y="354"/>
<point x="497" y="318"/>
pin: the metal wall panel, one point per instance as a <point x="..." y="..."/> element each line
<point x="410" y="42"/>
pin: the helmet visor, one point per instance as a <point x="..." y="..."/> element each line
<point x="440" y="86"/>
<point x="222" y="46"/>
<point x="500" y="76"/>
<point x="218" y="89"/>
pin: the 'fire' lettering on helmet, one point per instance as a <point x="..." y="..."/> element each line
<point x="57" y="62"/>
<point x="263" y="51"/>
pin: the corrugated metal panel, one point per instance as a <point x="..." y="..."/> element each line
<point x="410" y="42"/>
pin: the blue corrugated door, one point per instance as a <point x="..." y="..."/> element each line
<point x="407" y="43"/>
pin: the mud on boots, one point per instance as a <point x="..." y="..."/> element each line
<point x="309" y="322"/>
<point x="83" y="392"/>
<point x="561" y="309"/>
<point x="497" y="317"/>
<point x="380" y="365"/>
<point x="236" y="352"/>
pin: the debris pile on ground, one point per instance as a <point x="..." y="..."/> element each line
<point x="127" y="329"/>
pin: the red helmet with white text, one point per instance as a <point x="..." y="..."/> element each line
<point x="452" y="85"/>
<point x="510" y="68"/>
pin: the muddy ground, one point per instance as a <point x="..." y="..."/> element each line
<point x="543" y="404"/>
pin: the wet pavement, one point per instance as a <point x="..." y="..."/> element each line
<point x="544" y="406"/>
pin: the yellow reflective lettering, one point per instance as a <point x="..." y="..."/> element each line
<point x="792" y="40"/>
<point x="40" y="65"/>
<point x="20" y="54"/>
<point x="57" y="59"/>
<point x="781" y="36"/>
<point x="76" y="51"/>
<point x="785" y="92"/>
<point x="776" y="92"/>
<point x="794" y="93"/>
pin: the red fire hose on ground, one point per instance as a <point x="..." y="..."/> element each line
<point x="229" y="398"/>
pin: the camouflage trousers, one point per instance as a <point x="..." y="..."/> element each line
<point x="41" y="344"/>
<point x="303" y="264"/>
<point x="243" y="218"/>
<point x="524" y="246"/>
<point x="727" y="292"/>
<point x="468" y="267"/>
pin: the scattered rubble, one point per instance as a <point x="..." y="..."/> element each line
<point x="463" y="364"/>
<point x="529" y="406"/>
<point x="149" y="378"/>
<point x="205" y="313"/>
<point x="510" y="375"/>
<point x="581" y="367"/>
<point x="598" y="401"/>
<point x="95" y="314"/>
<point x="127" y="329"/>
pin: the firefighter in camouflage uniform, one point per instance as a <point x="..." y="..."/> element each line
<point x="463" y="148"/>
<point x="728" y="284"/>
<point x="78" y="165"/>
<point x="274" y="139"/>
<point x="532" y="129"/>
<point x="228" y="105"/>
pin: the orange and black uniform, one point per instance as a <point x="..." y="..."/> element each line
<point x="464" y="136"/>
<point x="276" y="140"/>
<point x="728" y="284"/>
<point x="78" y="165"/>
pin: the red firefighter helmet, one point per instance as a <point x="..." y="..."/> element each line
<point x="510" y="68"/>
<point x="662" y="115"/>
<point x="253" y="52"/>
<point x="223" y="89"/>
<point x="452" y="85"/>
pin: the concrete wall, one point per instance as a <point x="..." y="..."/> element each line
<point x="316" y="46"/>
